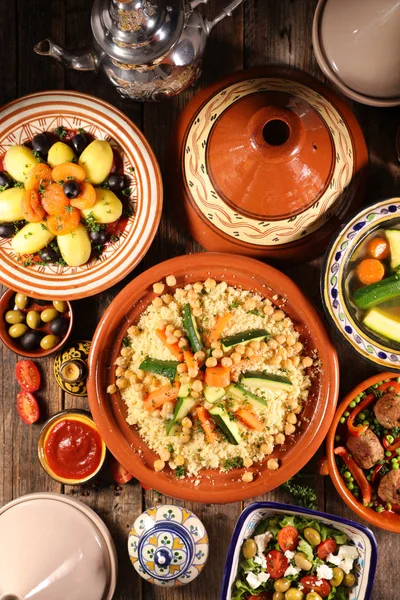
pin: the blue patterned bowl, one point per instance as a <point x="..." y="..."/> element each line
<point x="168" y="546"/>
<point x="359" y="535"/>
<point x="332" y="281"/>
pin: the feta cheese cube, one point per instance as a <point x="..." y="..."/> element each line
<point x="260" y="560"/>
<point x="347" y="564"/>
<point x="252" y="580"/>
<point x="289" y="555"/>
<point x="291" y="570"/>
<point x="262" y="541"/>
<point x="334" y="560"/>
<point x="348" y="552"/>
<point x="324" y="572"/>
<point x="263" y="577"/>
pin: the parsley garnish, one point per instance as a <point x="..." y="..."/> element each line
<point x="61" y="131"/>
<point x="36" y="154"/>
<point x="255" y="311"/>
<point x="18" y="184"/>
<point x="4" y="187"/>
<point x="180" y="472"/>
<point x="92" y="224"/>
<point x="126" y="342"/>
<point x="127" y="191"/>
<point x="170" y="448"/>
<point x="233" y="463"/>
<point x="234" y="304"/>
<point x="69" y="209"/>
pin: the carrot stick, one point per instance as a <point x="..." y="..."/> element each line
<point x="218" y="376"/>
<point x="250" y="419"/>
<point x="220" y="324"/>
<point x="159" y="397"/>
<point x="189" y="359"/>
<point x="207" y="425"/>
<point x="176" y="351"/>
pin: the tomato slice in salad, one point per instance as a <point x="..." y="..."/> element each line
<point x="325" y="548"/>
<point x="288" y="538"/>
<point x="311" y="583"/>
<point x="28" y="408"/>
<point x="28" y="375"/>
<point x="119" y="473"/>
<point x="277" y="563"/>
<point x="262" y="596"/>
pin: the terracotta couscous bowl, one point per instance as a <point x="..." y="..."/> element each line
<point x="109" y="411"/>
<point x="385" y="520"/>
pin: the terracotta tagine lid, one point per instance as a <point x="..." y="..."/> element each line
<point x="269" y="161"/>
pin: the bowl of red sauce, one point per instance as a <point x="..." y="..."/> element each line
<point x="70" y="448"/>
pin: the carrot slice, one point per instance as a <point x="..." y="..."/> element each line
<point x="250" y="419"/>
<point x="370" y="270"/>
<point x="218" y="376"/>
<point x="206" y="424"/>
<point x="68" y="170"/>
<point x="159" y="397"/>
<point x="176" y="351"/>
<point x="65" y="222"/>
<point x="54" y="200"/>
<point x="86" y="198"/>
<point x="32" y="208"/>
<point x="220" y="324"/>
<point x="378" y="248"/>
<point x="190" y="360"/>
<point x="38" y="176"/>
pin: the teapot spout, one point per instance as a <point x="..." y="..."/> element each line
<point x="81" y="59"/>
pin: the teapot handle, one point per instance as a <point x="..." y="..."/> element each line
<point x="226" y="12"/>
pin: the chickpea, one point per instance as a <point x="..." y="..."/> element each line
<point x="134" y="331"/>
<point x="194" y="394"/>
<point x="279" y="438"/>
<point x="197" y="385"/>
<point x="187" y="423"/>
<point x="249" y="304"/>
<point x="226" y="361"/>
<point x="197" y="312"/>
<point x="119" y="371"/>
<point x="265" y="448"/>
<point x="165" y="455"/>
<point x="312" y="536"/>
<point x="157" y="302"/>
<point x="289" y="429"/>
<point x="281" y="339"/>
<point x="240" y="349"/>
<point x="184" y="438"/>
<point x="349" y="579"/>
<point x="171" y="339"/>
<point x="158" y="288"/>
<point x="138" y="387"/>
<point x="297" y="347"/>
<point x="287" y="364"/>
<point x="249" y="548"/>
<point x="307" y="361"/>
<point x="178" y="333"/>
<point x="249" y="352"/>
<point x="183" y="343"/>
<point x="170" y="280"/>
<point x="247" y="462"/>
<point x="126" y="352"/>
<point x="200" y="356"/>
<point x="179" y="460"/>
<point x="215" y="344"/>
<point x="167" y="299"/>
<point x="159" y="465"/>
<point x="302" y="561"/>
<point x="247" y="477"/>
<point x="295" y="360"/>
<point x="198" y="286"/>
<point x="235" y="377"/>
<point x="338" y="576"/>
<point x="184" y="378"/>
<point x="294" y="594"/>
<point x="276" y="360"/>
<point x="313" y="596"/>
<point x="282" y="585"/>
<point x="122" y="383"/>
<point x="268" y="310"/>
<point x="236" y="358"/>
<point x="210" y="283"/>
<point x="111" y="389"/>
<point x="211" y="362"/>
<point x="222" y="286"/>
<point x="217" y="353"/>
<point x="181" y="368"/>
<point x="193" y="372"/>
<point x="167" y="409"/>
<point x="278" y="596"/>
<point x="272" y="343"/>
<point x="255" y="345"/>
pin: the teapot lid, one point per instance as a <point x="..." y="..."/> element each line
<point x="137" y="31"/>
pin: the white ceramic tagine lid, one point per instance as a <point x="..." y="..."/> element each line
<point x="54" y="547"/>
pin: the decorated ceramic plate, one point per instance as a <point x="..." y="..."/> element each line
<point x="65" y="114"/>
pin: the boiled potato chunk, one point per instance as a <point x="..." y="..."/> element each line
<point x="97" y="160"/>
<point x="106" y="209"/>
<point x="60" y="153"/>
<point x="10" y="205"/>
<point x="18" y="161"/>
<point x="31" y="238"/>
<point x="75" y="247"/>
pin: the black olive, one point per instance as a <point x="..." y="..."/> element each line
<point x="41" y="302"/>
<point x="6" y="230"/>
<point x="116" y="183"/>
<point x="98" y="237"/>
<point x="79" y="142"/>
<point x="48" y="254"/>
<point x="41" y="143"/>
<point x="59" y="326"/>
<point x="5" y="179"/>
<point x="71" y="189"/>
<point x="31" y="340"/>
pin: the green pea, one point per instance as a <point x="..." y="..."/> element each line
<point x="14" y="316"/>
<point x="388" y="453"/>
<point x="379" y="509"/>
<point x="395" y="466"/>
<point x="394" y="459"/>
<point x="376" y="385"/>
<point x="350" y="485"/>
<point x="337" y="438"/>
<point x="347" y="474"/>
<point x="369" y="477"/>
<point x="390" y="439"/>
<point x="21" y="300"/>
<point x="342" y="420"/>
<point x="352" y="404"/>
<point x="49" y="315"/>
<point x="60" y="305"/>
<point x="33" y="319"/>
<point x="362" y="416"/>
<point x="347" y="414"/>
<point x="398" y="451"/>
<point x="17" y="330"/>
<point x="49" y="341"/>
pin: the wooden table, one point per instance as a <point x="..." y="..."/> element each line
<point x="260" y="32"/>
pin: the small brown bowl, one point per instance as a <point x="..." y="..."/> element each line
<point x="386" y="519"/>
<point x="13" y="344"/>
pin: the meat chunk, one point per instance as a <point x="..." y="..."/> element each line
<point x="387" y="410"/>
<point x="366" y="449"/>
<point x="389" y="487"/>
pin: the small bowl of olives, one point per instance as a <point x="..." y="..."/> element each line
<point x="32" y="327"/>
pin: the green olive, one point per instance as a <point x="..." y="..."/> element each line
<point x="14" y="316"/>
<point x="21" y="300"/>
<point x="49" y="314"/>
<point x="312" y="536"/>
<point x="249" y="548"/>
<point x="338" y="575"/>
<point x="60" y="305"/>
<point x="302" y="561"/>
<point x="349" y="579"/>
<point x="17" y="330"/>
<point x="282" y="585"/>
<point x="313" y="596"/>
<point x="49" y="341"/>
<point x="33" y="319"/>
<point x="278" y="596"/>
<point x="294" y="594"/>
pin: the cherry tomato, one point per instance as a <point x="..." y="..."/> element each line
<point x="288" y="538"/>
<point x="327" y="547"/>
<point x="28" y="376"/>
<point x="311" y="583"/>
<point x="119" y="473"/>
<point x="277" y="563"/>
<point x="28" y="408"/>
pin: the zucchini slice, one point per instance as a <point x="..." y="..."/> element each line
<point x="182" y="409"/>
<point x="377" y="293"/>
<point x="213" y="394"/>
<point x="244" y="338"/>
<point x="184" y="390"/>
<point x="235" y="390"/>
<point x="257" y="379"/>
<point x="165" y="368"/>
<point x="190" y="327"/>
<point x="228" y="427"/>
<point x="383" y="324"/>
<point x="393" y="237"/>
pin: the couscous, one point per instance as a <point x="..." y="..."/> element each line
<point x="213" y="377"/>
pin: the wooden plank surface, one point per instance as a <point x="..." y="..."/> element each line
<point x="261" y="32"/>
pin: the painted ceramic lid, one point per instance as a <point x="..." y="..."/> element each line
<point x="357" y="45"/>
<point x="168" y="546"/>
<point x="268" y="159"/>
<point x="54" y="547"/>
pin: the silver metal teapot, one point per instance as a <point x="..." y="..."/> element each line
<point x="149" y="49"/>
